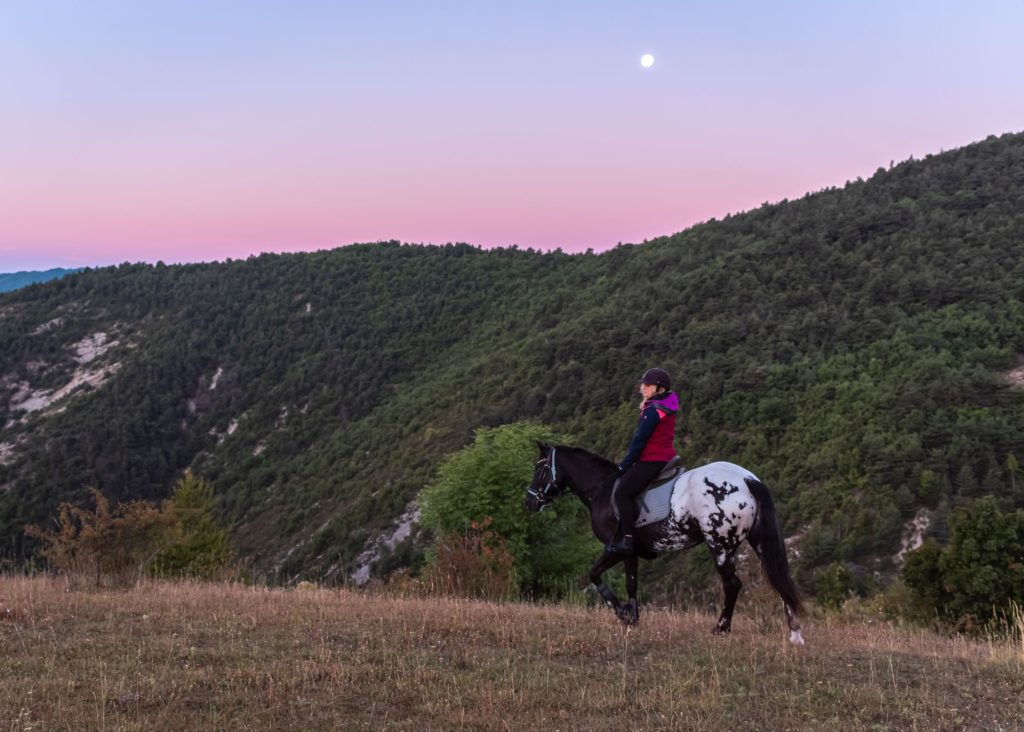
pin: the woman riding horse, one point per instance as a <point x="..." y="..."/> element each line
<point x="649" y="452"/>
<point x="720" y="505"/>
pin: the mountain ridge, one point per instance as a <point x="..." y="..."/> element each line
<point x="16" y="280"/>
<point x="850" y="346"/>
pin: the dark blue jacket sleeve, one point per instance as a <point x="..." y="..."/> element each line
<point x="649" y="419"/>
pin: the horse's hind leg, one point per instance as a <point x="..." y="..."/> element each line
<point x="795" y="636"/>
<point x="792" y="620"/>
<point x="731" y="586"/>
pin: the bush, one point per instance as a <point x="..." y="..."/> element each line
<point x="115" y="546"/>
<point x="106" y="546"/>
<point x="979" y="575"/>
<point x="476" y="564"/>
<point x="195" y="544"/>
<point x="833" y="586"/>
<point x="922" y="573"/>
<point x="485" y="482"/>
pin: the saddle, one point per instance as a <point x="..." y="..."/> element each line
<point x="655" y="502"/>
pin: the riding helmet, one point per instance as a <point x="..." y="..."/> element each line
<point x="658" y="377"/>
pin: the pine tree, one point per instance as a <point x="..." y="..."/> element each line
<point x="198" y="544"/>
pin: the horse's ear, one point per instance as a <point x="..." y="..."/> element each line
<point x="543" y="447"/>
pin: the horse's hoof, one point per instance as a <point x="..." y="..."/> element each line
<point x="629" y="614"/>
<point x="720" y="631"/>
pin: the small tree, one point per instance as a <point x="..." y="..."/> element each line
<point x="105" y="546"/>
<point x="929" y="489"/>
<point x="115" y="546"/>
<point x="1012" y="466"/>
<point x="983" y="566"/>
<point x="978" y="576"/>
<point x="196" y="545"/>
<point x="833" y="586"/>
<point x="486" y="481"/>
<point x="923" y="575"/>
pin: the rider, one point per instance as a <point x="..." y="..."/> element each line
<point x="648" y="453"/>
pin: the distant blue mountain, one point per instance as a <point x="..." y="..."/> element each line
<point x="14" y="280"/>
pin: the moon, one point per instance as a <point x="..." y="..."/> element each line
<point x="647" y="60"/>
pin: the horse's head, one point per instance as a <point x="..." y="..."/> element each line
<point x="548" y="483"/>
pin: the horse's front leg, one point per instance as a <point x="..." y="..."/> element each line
<point x="629" y="613"/>
<point x="606" y="561"/>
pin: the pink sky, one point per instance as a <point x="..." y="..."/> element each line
<point x="170" y="131"/>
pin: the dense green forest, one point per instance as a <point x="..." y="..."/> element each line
<point x="859" y="349"/>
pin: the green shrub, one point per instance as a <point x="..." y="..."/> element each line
<point x="833" y="586"/>
<point x="195" y="544"/>
<point x="977" y="577"/>
<point x="485" y="482"/>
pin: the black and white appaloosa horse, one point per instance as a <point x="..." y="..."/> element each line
<point x="720" y="504"/>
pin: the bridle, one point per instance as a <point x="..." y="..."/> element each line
<point x="545" y="496"/>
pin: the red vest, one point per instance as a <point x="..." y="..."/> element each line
<point x="659" y="446"/>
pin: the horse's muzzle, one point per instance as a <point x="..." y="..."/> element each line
<point x="534" y="501"/>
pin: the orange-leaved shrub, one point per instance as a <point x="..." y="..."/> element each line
<point x="475" y="564"/>
<point x="107" y="546"/>
<point x="114" y="546"/>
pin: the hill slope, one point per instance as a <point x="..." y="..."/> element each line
<point x="177" y="656"/>
<point x="855" y="348"/>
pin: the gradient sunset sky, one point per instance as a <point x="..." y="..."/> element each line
<point x="196" y="131"/>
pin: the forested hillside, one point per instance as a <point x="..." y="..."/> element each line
<point x="860" y="349"/>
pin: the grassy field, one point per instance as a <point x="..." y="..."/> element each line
<point x="169" y="656"/>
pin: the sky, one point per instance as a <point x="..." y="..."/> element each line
<point x="197" y="131"/>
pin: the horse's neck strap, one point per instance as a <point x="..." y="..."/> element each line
<point x="554" y="468"/>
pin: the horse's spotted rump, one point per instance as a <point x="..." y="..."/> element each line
<point x="726" y="530"/>
<point x="719" y="492"/>
<point x="714" y="507"/>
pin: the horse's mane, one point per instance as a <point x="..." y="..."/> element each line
<point x="592" y="457"/>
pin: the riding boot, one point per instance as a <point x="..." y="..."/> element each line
<point x="621" y="546"/>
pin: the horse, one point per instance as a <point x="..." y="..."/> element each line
<point x="719" y="504"/>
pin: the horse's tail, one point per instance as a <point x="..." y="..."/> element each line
<point x="766" y="537"/>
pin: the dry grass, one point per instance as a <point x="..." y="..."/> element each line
<point x="216" y="656"/>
